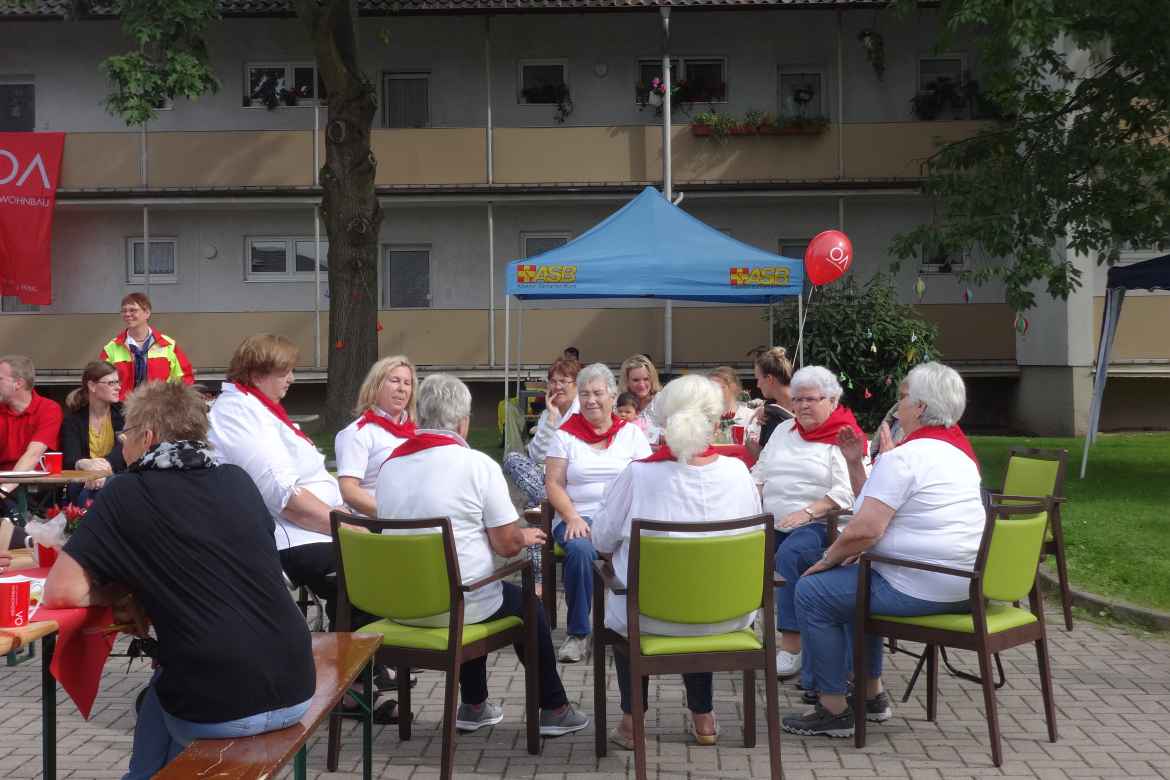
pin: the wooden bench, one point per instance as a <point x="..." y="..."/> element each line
<point x="339" y="659"/>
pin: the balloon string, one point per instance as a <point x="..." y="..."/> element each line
<point x="800" y="328"/>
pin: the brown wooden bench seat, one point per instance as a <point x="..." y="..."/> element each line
<point x="339" y="659"/>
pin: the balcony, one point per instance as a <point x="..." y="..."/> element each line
<point x="530" y="155"/>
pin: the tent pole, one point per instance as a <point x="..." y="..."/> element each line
<point x="317" y="286"/>
<point x="519" y="344"/>
<point x="491" y="220"/>
<point x="771" y="342"/>
<point x="1114" y="297"/>
<point x="799" y="329"/>
<point x="667" y="182"/>
<point x="507" y="346"/>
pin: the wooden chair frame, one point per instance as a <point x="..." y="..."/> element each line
<point x="747" y="661"/>
<point x="980" y="641"/>
<point x="548" y="565"/>
<point x="448" y="661"/>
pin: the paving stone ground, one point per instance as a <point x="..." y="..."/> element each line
<point x="1112" y="693"/>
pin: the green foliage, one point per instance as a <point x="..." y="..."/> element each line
<point x="1079" y="164"/>
<point x="170" y="60"/>
<point x="861" y="333"/>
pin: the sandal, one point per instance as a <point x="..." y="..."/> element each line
<point x="706" y="740"/>
<point x="621" y="739"/>
<point x="385" y="710"/>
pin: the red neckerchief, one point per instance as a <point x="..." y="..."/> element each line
<point x="953" y="435"/>
<point x="579" y="427"/>
<point x="419" y="442"/>
<point x="274" y="407"/>
<point x="663" y="453"/>
<point x="398" y="430"/>
<point x="827" y="432"/>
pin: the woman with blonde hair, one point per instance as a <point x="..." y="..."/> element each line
<point x="386" y="418"/>
<point x="89" y="432"/>
<point x="640" y="377"/>
<point x="684" y="482"/>
<point x="734" y="412"/>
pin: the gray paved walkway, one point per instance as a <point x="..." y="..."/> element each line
<point x="1112" y="689"/>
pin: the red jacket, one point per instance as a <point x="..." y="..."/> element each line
<point x="164" y="361"/>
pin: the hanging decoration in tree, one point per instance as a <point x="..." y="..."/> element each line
<point x="968" y="295"/>
<point x="1021" y="324"/>
<point x="828" y="257"/>
<point x="920" y="288"/>
<point x="339" y="344"/>
<point x="379" y="326"/>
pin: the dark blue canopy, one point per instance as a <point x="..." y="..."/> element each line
<point x="650" y="248"/>
<point x="1148" y="275"/>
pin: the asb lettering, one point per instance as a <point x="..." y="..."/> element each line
<point x="759" y="277"/>
<point x="546" y="274"/>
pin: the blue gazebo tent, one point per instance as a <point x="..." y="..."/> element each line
<point x="1150" y="275"/>
<point x="650" y="248"/>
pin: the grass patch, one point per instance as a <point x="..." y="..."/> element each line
<point x="1115" y="529"/>
<point x="483" y="439"/>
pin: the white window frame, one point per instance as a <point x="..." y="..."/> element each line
<point x="133" y="278"/>
<point x="22" y="80"/>
<point x="788" y="240"/>
<point x="403" y="75"/>
<point x="791" y="70"/>
<point x="564" y="63"/>
<point x="675" y="69"/>
<point x="289" y="66"/>
<point x="392" y="247"/>
<point x="679" y="67"/>
<point x="963" y="263"/>
<point x="291" y="274"/>
<point x="527" y="234"/>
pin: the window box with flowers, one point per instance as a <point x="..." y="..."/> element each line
<point x="654" y="96"/>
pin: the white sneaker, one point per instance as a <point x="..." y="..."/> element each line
<point x="787" y="664"/>
<point x="574" y="649"/>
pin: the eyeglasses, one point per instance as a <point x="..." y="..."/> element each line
<point x="561" y="382"/>
<point x="110" y="382"/>
<point x="807" y="399"/>
<point x="124" y="431"/>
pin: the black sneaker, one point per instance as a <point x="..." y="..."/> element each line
<point x="819" y="722"/>
<point x="878" y="709"/>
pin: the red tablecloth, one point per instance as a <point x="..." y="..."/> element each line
<point x="736" y="451"/>
<point x="81" y="651"/>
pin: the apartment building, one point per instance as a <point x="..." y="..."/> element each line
<point x="211" y="208"/>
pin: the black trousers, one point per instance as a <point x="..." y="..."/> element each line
<point x="698" y="684"/>
<point x="315" y="566"/>
<point x="473" y="674"/>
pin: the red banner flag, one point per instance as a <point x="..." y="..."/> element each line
<point x="30" y="167"/>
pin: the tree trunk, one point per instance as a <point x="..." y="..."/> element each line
<point x="349" y="206"/>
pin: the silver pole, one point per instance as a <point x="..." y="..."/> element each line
<point x="146" y="212"/>
<point x="771" y="342"/>
<point x="667" y="179"/>
<point x="316" y="143"/>
<point x="317" y="286"/>
<point x="491" y="215"/>
<point x="840" y="96"/>
<point x="487" y="72"/>
<point x="519" y="344"/>
<point x="507" y="348"/>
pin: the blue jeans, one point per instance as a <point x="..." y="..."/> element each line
<point x="159" y="737"/>
<point x="826" y="605"/>
<point x="796" y="551"/>
<point x="579" y="558"/>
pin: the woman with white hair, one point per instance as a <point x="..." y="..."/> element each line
<point x="684" y="482"/>
<point x="386" y="414"/>
<point x="921" y="502"/>
<point x="803" y="476"/>
<point x="586" y="454"/>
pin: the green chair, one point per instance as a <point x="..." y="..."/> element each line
<point x="411" y="576"/>
<point x="1004" y="573"/>
<point x="664" y="583"/>
<point x="1033" y="474"/>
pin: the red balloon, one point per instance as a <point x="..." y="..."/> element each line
<point x="828" y="257"/>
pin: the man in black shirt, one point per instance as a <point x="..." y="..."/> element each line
<point x="189" y="546"/>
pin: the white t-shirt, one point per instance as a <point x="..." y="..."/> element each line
<point x="543" y="436"/>
<point x="795" y="472"/>
<point x="362" y="451"/>
<point x="933" y="489"/>
<point x="466" y="486"/>
<point x="671" y="492"/>
<point x="590" y="470"/>
<point x="280" y="462"/>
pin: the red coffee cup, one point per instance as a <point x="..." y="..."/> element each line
<point x="14" y="597"/>
<point x="737" y="432"/>
<point x="52" y="462"/>
<point x="46" y="556"/>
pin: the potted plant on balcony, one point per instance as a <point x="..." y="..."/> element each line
<point x="875" y="50"/>
<point x="552" y="94"/>
<point x="711" y="123"/>
<point x="803" y="125"/>
<point x="654" y="95"/>
<point x="941" y="94"/>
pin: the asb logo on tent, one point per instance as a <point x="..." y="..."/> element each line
<point x="546" y="274"/>
<point x="759" y="277"/>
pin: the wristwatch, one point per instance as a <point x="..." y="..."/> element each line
<point x="825" y="557"/>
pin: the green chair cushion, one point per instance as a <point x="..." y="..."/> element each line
<point x="399" y="635"/>
<point x="1000" y="617"/>
<point x="744" y="639"/>
<point x="558" y="551"/>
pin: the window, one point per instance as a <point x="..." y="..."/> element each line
<point x="163" y="261"/>
<point x="18" y="105"/>
<point x="793" y="249"/>
<point x="543" y="82"/>
<point x="406" y="277"/>
<point x="10" y="304"/>
<point x="272" y="84"/>
<point x="533" y="244"/>
<point x="940" y="260"/>
<point x="406" y="99"/>
<point x="284" y="259"/>
<point x="942" y="88"/>
<point x="802" y="93"/>
<point x="650" y="69"/>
